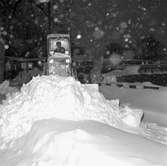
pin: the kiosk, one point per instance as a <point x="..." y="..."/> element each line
<point x="59" y="55"/>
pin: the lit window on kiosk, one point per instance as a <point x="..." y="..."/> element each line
<point x="59" y="54"/>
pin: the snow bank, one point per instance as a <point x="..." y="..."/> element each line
<point x="55" y="120"/>
<point x="48" y="97"/>
<point x="67" y="143"/>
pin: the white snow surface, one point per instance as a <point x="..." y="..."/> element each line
<point x="56" y="121"/>
<point x="56" y="142"/>
<point x="152" y="102"/>
<point x="47" y="97"/>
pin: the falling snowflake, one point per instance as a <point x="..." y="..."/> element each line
<point x="6" y="46"/>
<point x="55" y="7"/>
<point x="127" y="36"/>
<point x="1" y="28"/>
<point x="11" y="36"/>
<point x="164" y="49"/>
<point x="163" y="24"/>
<point x="56" y="20"/>
<point x="107" y="52"/>
<point x="91" y="40"/>
<point x="107" y="14"/>
<point x="126" y="46"/>
<point x="126" y="39"/>
<point x="79" y="36"/>
<point x="129" y="21"/>
<point x="69" y="29"/>
<point x="9" y="16"/>
<point x="152" y="29"/>
<point x="89" y="4"/>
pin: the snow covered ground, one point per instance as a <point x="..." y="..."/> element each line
<point x="58" y="121"/>
<point x="152" y="102"/>
<point x="68" y="143"/>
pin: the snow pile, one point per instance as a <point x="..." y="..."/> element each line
<point x="49" y="97"/>
<point x="67" y="143"/>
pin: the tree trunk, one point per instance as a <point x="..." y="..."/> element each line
<point x="95" y="75"/>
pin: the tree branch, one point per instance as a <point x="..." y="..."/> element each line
<point x="6" y="4"/>
<point x="15" y="7"/>
<point x="42" y="9"/>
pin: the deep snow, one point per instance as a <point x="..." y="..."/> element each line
<point x="58" y="121"/>
<point x="60" y="97"/>
<point x="67" y="143"/>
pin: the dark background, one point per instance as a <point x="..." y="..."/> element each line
<point x="97" y="28"/>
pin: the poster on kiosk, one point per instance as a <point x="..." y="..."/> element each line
<point x="59" y="55"/>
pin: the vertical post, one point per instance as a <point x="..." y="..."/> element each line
<point x="2" y="60"/>
<point x="50" y="16"/>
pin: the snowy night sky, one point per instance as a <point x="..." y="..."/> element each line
<point x="95" y="23"/>
<point x="91" y="23"/>
<point x="119" y="20"/>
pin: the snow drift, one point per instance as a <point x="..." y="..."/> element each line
<point x="69" y="143"/>
<point x="60" y="97"/>
<point x="56" y="120"/>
